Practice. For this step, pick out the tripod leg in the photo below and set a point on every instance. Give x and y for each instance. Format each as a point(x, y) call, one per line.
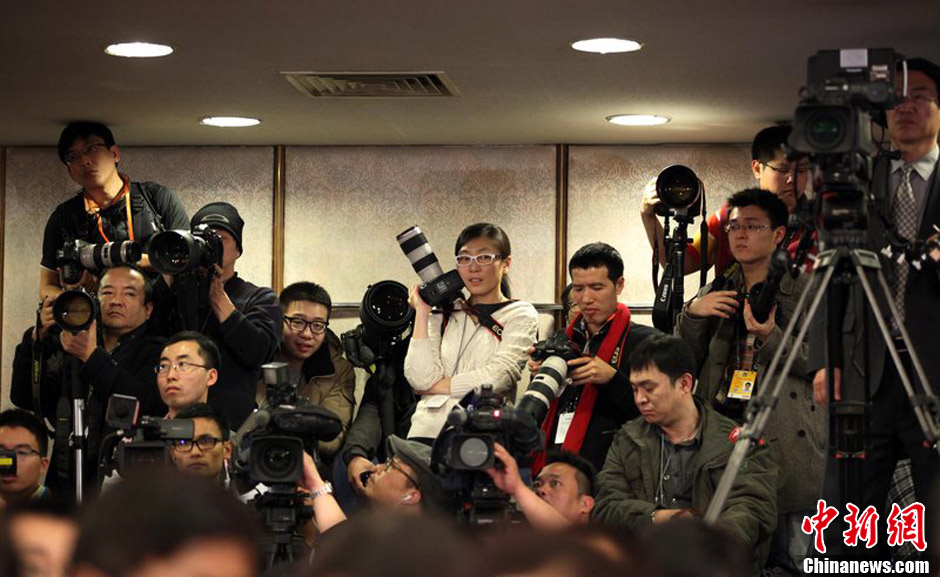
point(924, 419)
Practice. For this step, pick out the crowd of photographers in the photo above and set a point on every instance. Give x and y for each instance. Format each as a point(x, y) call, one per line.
point(209, 426)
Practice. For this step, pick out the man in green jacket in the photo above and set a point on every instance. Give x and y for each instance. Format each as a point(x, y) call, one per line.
point(666, 464)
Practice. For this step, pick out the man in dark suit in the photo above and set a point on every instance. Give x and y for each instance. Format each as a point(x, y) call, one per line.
point(907, 190)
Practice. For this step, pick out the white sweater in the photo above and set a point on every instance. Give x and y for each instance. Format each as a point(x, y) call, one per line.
point(472, 356)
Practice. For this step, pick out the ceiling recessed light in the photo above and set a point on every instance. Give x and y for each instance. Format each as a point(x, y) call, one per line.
point(138, 50)
point(229, 121)
point(606, 45)
point(638, 119)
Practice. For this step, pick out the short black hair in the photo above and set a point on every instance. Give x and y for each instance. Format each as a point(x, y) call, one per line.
point(205, 411)
point(566, 299)
point(83, 130)
point(671, 355)
point(207, 347)
point(148, 285)
point(927, 67)
point(30, 422)
point(305, 291)
point(153, 516)
point(585, 472)
point(765, 200)
point(769, 141)
point(598, 254)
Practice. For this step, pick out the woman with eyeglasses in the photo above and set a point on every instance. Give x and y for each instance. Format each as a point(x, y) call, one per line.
point(482, 341)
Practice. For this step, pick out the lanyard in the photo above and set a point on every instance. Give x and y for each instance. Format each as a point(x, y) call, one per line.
point(93, 207)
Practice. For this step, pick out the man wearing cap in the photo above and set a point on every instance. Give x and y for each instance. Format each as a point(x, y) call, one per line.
point(906, 188)
point(244, 320)
point(405, 480)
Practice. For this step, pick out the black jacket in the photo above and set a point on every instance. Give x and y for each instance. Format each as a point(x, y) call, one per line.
point(614, 407)
point(127, 370)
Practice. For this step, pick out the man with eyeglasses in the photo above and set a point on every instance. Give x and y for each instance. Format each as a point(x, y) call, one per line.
point(314, 357)
point(772, 170)
point(188, 367)
point(119, 360)
point(23, 435)
point(209, 451)
point(906, 188)
point(405, 481)
point(108, 208)
point(733, 350)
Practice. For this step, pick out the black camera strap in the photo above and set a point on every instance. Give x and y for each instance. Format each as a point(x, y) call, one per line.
point(483, 314)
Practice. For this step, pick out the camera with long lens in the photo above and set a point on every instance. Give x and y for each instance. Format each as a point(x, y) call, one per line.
point(385, 324)
point(846, 91)
point(74, 310)
point(270, 444)
point(464, 450)
point(763, 295)
point(77, 256)
point(679, 191)
point(177, 252)
point(545, 386)
point(438, 289)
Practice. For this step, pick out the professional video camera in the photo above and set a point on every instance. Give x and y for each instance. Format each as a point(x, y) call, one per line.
point(438, 289)
point(176, 252)
point(386, 323)
point(464, 451)
point(846, 91)
point(151, 437)
point(77, 256)
point(269, 449)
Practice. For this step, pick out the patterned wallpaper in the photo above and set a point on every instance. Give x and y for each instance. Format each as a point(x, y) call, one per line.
point(345, 206)
point(605, 188)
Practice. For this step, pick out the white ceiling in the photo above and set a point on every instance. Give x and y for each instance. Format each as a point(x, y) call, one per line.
point(720, 68)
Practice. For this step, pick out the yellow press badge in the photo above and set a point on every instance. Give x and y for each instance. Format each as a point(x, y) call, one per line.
point(742, 385)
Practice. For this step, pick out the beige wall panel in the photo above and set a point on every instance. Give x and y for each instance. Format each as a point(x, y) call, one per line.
point(344, 207)
point(36, 183)
point(242, 177)
point(605, 187)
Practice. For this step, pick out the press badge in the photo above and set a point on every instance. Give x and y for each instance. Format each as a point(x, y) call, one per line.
point(564, 421)
point(742, 385)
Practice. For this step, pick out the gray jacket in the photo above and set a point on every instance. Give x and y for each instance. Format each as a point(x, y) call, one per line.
point(796, 431)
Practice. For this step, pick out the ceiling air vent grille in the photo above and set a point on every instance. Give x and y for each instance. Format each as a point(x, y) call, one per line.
point(372, 84)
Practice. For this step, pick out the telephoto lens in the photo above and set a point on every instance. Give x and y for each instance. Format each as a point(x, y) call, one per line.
point(74, 310)
point(179, 251)
point(422, 258)
point(678, 188)
point(109, 254)
point(544, 388)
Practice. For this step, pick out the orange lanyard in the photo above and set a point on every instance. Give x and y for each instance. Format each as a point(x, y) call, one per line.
point(94, 208)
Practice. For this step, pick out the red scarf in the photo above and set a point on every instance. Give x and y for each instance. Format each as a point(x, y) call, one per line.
point(617, 334)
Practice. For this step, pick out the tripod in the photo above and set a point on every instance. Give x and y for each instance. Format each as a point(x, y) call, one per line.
point(671, 290)
point(849, 419)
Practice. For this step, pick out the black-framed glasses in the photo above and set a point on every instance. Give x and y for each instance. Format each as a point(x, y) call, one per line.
point(181, 367)
point(204, 442)
point(22, 451)
point(390, 463)
point(75, 156)
point(748, 228)
point(481, 259)
point(799, 169)
point(299, 325)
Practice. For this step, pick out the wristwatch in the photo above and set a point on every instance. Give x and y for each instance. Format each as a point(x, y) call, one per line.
point(326, 489)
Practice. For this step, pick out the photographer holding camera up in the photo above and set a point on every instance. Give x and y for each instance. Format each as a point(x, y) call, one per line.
point(455, 352)
point(734, 341)
point(596, 398)
point(108, 208)
point(117, 359)
point(772, 171)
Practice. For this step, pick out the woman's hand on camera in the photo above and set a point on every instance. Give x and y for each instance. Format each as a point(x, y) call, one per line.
point(722, 304)
point(417, 303)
